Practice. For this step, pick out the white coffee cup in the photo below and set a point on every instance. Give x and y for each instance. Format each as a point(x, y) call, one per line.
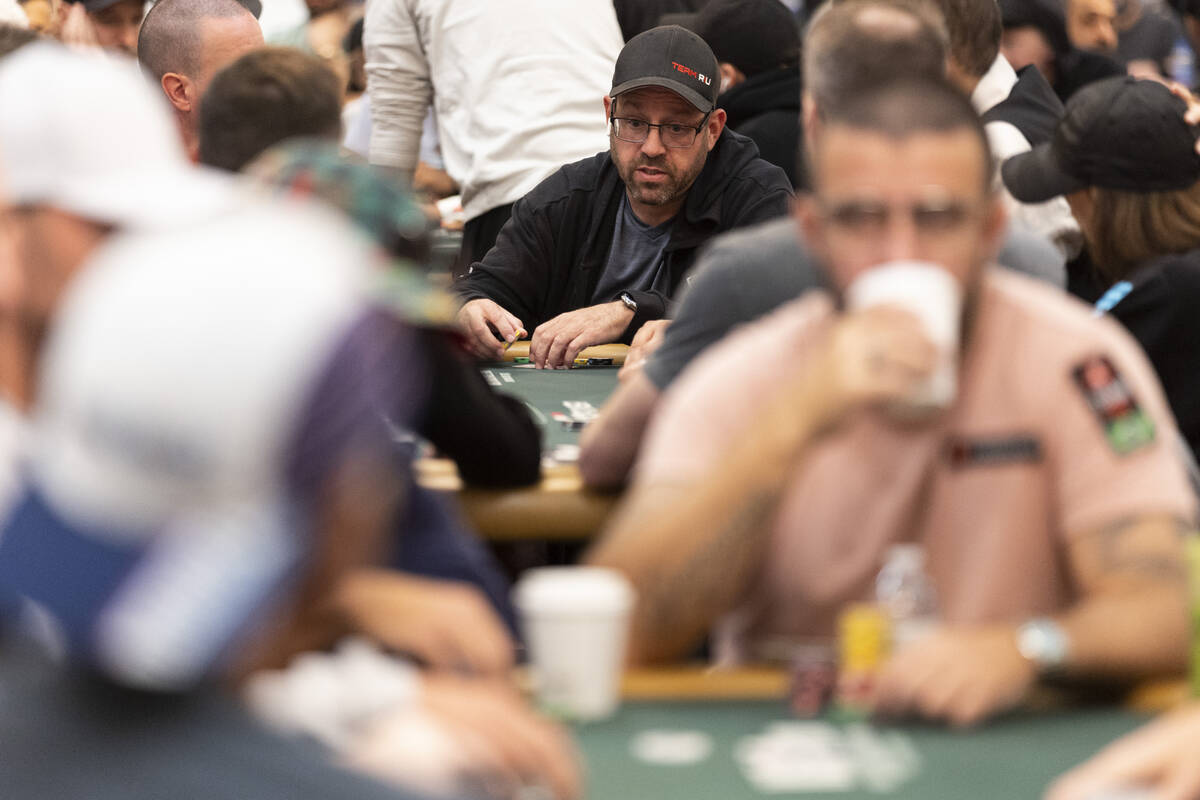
point(576, 622)
point(932, 295)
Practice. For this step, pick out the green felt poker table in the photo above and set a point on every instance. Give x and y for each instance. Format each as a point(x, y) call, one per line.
point(559, 507)
point(1015, 756)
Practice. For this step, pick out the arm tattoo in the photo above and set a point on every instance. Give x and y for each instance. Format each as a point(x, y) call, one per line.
point(1113, 559)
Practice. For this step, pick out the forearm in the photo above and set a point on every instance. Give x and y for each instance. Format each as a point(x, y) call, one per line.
point(1133, 618)
point(609, 445)
point(1129, 634)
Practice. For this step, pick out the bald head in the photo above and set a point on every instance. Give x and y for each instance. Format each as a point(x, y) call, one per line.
point(184, 43)
point(171, 39)
point(858, 44)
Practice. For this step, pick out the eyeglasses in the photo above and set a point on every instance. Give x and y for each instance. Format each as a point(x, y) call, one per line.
point(673, 134)
point(931, 217)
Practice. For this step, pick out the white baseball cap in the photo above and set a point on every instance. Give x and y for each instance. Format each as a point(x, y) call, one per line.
point(196, 388)
point(87, 133)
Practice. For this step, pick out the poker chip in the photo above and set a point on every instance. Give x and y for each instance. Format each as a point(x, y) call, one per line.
point(671, 748)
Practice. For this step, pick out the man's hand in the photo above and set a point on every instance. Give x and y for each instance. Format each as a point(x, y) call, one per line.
point(556, 343)
point(877, 356)
point(648, 339)
point(1161, 755)
point(447, 625)
point(958, 675)
point(481, 320)
point(482, 733)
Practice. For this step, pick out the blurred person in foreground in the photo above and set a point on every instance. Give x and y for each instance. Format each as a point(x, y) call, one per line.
point(1126, 160)
point(746, 274)
point(184, 43)
point(1048, 495)
point(757, 45)
point(275, 95)
point(280, 95)
point(598, 249)
point(203, 480)
point(1157, 762)
point(94, 154)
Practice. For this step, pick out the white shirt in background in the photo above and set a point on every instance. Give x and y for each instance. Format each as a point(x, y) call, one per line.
point(517, 86)
point(1051, 219)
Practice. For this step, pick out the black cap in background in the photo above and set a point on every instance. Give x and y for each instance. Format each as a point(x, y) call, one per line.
point(673, 58)
point(1120, 133)
point(753, 35)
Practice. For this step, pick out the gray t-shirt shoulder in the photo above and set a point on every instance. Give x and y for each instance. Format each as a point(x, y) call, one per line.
point(747, 273)
point(739, 277)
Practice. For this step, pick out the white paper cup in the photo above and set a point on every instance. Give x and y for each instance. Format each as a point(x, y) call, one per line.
point(933, 296)
point(576, 622)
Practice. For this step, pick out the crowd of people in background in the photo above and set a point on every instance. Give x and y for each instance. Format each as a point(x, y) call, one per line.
point(225, 339)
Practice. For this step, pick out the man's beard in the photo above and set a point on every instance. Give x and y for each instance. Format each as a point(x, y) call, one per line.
point(670, 190)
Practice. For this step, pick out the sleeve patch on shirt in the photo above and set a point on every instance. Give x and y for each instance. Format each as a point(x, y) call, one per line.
point(1126, 426)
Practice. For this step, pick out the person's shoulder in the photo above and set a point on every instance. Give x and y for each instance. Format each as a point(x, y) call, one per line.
point(762, 244)
point(1063, 327)
point(735, 159)
point(588, 175)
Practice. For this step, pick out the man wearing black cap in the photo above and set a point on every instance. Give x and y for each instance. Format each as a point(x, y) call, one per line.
point(599, 247)
point(757, 44)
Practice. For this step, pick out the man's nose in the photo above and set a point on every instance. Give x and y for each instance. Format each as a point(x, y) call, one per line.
point(901, 238)
point(653, 146)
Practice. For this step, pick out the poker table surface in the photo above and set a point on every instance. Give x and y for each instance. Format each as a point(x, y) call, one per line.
point(559, 507)
point(1015, 756)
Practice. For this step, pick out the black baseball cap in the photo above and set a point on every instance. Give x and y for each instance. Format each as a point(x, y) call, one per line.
point(1120, 133)
point(753, 35)
point(673, 58)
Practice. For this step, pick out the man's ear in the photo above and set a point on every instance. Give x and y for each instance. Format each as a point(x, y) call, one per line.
point(608, 103)
point(180, 91)
point(716, 124)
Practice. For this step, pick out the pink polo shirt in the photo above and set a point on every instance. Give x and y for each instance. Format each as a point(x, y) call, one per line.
point(994, 488)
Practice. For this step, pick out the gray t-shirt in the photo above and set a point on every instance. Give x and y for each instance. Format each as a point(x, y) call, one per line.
point(748, 273)
point(635, 258)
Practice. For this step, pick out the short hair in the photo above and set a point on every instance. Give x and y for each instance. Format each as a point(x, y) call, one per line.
point(1129, 228)
point(857, 44)
point(909, 107)
point(170, 37)
point(13, 38)
point(266, 97)
point(975, 28)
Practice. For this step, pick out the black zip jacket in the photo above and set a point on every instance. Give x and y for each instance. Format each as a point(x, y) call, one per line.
point(766, 107)
point(549, 257)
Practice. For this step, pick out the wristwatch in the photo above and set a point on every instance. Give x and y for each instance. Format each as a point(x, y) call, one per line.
point(1043, 642)
point(629, 302)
